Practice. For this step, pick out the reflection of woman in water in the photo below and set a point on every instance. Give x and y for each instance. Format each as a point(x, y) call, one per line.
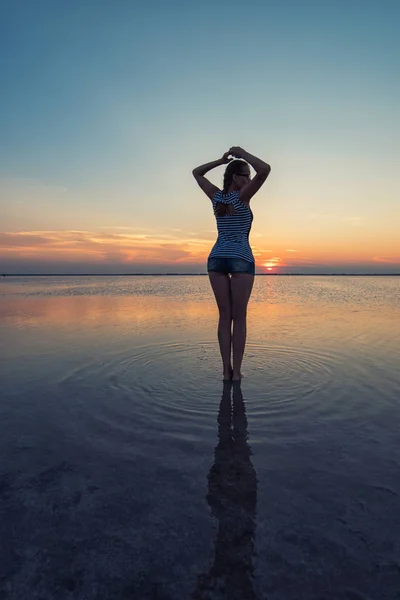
point(231, 262)
point(232, 496)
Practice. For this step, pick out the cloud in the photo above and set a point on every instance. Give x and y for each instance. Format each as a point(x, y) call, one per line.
point(132, 250)
point(20, 240)
point(103, 246)
point(124, 228)
point(393, 260)
point(275, 261)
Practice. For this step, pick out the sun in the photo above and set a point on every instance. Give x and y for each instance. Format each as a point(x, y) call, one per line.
point(269, 265)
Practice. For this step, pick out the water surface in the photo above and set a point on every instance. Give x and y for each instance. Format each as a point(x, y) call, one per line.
point(129, 471)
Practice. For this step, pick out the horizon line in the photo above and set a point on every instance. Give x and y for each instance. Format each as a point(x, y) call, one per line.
point(191, 274)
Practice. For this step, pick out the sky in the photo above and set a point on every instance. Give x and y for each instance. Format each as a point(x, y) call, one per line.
point(106, 108)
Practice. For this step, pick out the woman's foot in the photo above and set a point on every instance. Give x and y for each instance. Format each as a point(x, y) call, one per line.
point(228, 373)
point(237, 376)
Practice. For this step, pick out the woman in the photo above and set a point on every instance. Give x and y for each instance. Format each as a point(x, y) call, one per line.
point(230, 264)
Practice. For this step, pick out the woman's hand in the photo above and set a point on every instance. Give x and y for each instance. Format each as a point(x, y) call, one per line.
point(225, 158)
point(237, 151)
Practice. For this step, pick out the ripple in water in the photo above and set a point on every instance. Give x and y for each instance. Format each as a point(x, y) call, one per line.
point(174, 387)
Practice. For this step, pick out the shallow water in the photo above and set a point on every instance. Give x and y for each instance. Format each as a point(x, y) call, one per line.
point(129, 471)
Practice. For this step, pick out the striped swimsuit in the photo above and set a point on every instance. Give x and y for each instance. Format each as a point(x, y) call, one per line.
point(233, 230)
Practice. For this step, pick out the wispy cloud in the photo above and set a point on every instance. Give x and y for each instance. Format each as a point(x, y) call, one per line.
point(394, 260)
point(272, 262)
point(123, 228)
point(103, 246)
point(22, 240)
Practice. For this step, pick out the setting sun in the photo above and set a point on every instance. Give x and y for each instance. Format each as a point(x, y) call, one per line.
point(268, 266)
point(271, 264)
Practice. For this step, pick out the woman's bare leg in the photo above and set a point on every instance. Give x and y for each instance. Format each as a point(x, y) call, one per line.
point(221, 286)
point(241, 286)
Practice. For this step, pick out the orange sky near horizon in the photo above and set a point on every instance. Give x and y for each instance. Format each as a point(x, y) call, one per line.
point(175, 249)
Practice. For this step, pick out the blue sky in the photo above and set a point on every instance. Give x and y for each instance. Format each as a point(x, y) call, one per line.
point(107, 107)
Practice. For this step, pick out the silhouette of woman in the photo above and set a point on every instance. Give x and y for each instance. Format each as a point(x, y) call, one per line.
point(232, 497)
point(230, 263)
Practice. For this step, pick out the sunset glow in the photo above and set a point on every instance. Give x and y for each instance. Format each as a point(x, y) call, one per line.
point(174, 250)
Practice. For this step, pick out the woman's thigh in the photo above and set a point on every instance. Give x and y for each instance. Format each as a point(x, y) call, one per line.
point(241, 287)
point(221, 286)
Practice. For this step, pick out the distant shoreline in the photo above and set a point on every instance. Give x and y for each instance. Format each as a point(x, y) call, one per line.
point(3, 275)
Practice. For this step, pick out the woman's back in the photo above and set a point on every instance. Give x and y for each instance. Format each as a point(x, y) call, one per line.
point(233, 229)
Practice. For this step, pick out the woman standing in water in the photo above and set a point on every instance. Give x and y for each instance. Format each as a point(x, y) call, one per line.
point(230, 264)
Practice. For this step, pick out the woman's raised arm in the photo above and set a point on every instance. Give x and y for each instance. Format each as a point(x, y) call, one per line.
point(198, 173)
